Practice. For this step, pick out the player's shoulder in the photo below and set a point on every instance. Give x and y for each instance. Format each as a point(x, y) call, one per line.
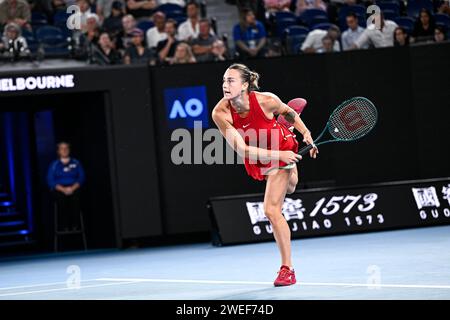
point(220, 107)
point(266, 97)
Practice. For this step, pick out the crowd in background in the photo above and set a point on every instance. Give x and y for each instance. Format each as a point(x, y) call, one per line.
point(111, 31)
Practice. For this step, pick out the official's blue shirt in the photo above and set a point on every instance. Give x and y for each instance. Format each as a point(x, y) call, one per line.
point(256, 32)
point(65, 174)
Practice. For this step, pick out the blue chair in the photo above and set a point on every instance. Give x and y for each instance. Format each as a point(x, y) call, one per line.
point(284, 14)
point(442, 20)
point(53, 40)
point(60, 21)
point(169, 7)
point(295, 31)
point(319, 19)
point(49, 35)
point(413, 8)
point(390, 14)
point(405, 22)
point(281, 25)
point(144, 25)
point(176, 15)
point(378, 2)
point(60, 17)
point(381, 2)
point(308, 15)
point(322, 26)
point(38, 19)
point(357, 9)
point(294, 43)
point(295, 35)
point(391, 6)
point(31, 40)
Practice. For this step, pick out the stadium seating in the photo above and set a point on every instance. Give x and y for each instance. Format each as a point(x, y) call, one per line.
point(282, 24)
point(294, 37)
point(322, 26)
point(308, 16)
point(144, 25)
point(413, 8)
point(442, 20)
point(53, 40)
point(406, 22)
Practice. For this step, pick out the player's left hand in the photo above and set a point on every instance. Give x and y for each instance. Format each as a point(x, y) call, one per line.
point(309, 140)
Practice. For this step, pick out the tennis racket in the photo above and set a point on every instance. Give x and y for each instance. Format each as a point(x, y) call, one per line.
point(350, 121)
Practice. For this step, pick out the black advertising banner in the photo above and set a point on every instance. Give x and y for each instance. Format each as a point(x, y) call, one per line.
point(316, 212)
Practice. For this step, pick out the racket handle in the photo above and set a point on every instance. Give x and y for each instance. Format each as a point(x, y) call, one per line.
point(305, 149)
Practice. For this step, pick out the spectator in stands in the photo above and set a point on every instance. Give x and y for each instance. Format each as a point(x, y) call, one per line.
point(181, 3)
point(439, 34)
point(157, 33)
point(272, 6)
point(353, 32)
point(313, 42)
point(250, 36)
point(166, 48)
point(104, 8)
point(202, 45)
point(123, 39)
point(113, 23)
point(378, 38)
point(65, 177)
point(12, 39)
point(183, 54)
point(141, 8)
point(137, 53)
point(444, 7)
point(302, 5)
point(189, 29)
point(108, 54)
point(424, 27)
point(327, 45)
point(92, 29)
point(85, 11)
point(219, 51)
point(256, 6)
point(16, 11)
point(401, 37)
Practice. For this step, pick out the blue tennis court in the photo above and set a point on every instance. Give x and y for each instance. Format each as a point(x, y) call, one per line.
point(404, 264)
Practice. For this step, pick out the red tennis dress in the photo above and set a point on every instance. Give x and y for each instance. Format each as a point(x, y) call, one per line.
point(259, 131)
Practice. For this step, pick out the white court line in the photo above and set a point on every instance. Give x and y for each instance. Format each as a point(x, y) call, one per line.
point(42, 285)
point(64, 289)
point(326, 284)
point(120, 281)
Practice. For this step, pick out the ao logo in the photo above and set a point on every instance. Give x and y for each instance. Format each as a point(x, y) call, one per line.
point(192, 108)
point(186, 105)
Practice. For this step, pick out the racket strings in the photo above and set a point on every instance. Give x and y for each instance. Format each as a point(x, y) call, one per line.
point(353, 119)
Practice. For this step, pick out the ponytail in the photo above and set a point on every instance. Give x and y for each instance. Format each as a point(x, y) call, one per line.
point(253, 83)
point(251, 77)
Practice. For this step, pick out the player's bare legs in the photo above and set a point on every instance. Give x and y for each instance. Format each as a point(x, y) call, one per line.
point(293, 180)
point(276, 188)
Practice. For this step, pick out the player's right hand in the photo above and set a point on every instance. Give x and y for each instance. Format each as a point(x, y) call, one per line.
point(290, 157)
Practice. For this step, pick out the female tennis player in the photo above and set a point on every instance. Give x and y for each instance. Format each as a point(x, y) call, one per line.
point(242, 109)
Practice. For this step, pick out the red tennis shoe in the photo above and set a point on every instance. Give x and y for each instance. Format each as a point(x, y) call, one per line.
point(286, 277)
